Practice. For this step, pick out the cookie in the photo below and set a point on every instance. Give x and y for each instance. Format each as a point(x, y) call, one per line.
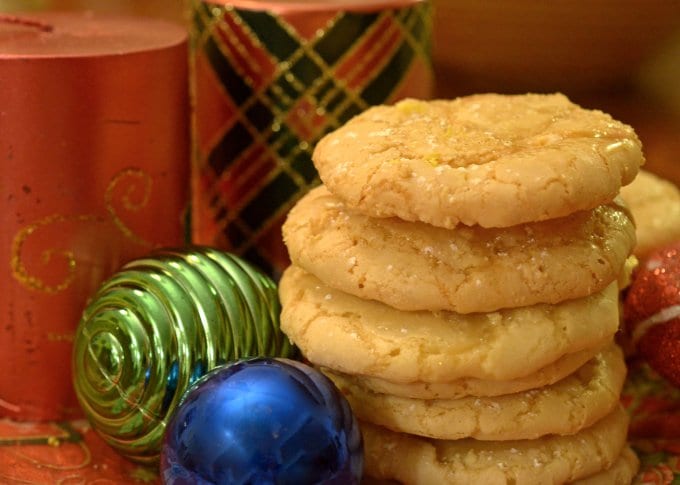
point(549, 460)
point(574, 403)
point(489, 160)
point(655, 204)
point(354, 336)
point(545, 376)
point(621, 472)
point(415, 266)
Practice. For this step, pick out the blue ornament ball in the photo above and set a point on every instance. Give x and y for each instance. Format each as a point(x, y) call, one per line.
point(263, 421)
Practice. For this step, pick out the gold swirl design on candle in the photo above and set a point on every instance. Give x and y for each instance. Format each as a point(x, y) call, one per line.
point(18, 267)
point(135, 185)
point(135, 197)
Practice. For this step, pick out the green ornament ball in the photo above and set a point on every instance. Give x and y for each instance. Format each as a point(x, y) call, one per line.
point(157, 326)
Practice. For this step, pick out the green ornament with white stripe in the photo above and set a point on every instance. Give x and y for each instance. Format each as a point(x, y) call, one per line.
point(157, 326)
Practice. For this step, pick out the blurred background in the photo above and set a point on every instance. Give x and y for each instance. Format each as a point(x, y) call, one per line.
point(621, 56)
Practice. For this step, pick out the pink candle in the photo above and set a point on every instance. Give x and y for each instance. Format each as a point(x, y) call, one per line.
point(93, 172)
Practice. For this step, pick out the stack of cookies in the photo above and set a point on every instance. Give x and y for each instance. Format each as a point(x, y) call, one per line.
point(456, 276)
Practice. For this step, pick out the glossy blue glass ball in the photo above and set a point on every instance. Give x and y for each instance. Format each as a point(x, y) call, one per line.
point(263, 421)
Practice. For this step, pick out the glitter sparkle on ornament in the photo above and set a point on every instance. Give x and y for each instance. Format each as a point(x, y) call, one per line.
point(263, 421)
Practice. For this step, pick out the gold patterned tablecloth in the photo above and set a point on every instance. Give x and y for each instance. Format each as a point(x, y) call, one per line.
point(71, 453)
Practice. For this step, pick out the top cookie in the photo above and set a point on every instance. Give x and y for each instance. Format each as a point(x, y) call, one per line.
point(489, 160)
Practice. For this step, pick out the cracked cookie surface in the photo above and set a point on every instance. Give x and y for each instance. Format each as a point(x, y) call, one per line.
point(655, 204)
point(336, 330)
point(489, 160)
point(414, 460)
point(416, 266)
point(545, 376)
point(621, 472)
point(574, 403)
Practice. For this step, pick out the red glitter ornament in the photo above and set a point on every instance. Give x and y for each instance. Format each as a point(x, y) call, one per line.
point(652, 311)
